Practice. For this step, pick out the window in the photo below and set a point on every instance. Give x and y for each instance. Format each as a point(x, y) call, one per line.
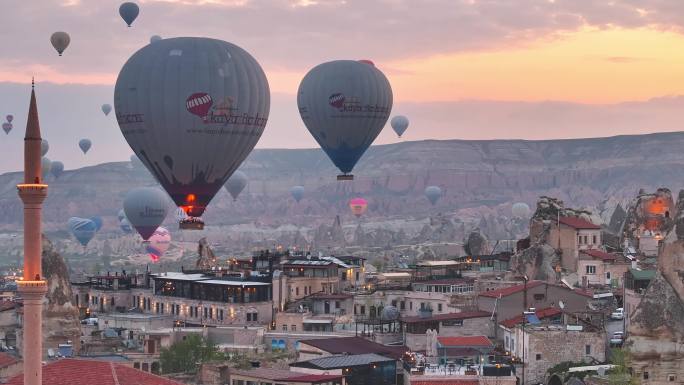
point(579, 239)
point(357, 275)
point(206, 312)
point(506, 342)
point(402, 305)
point(113, 302)
point(410, 305)
point(439, 307)
point(645, 375)
point(671, 377)
point(254, 317)
point(305, 290)
point(293, 328)
point(587, 349)
point(221, 314)
point(297, 290)
point(539, 297)
point(422, 306)
point(608, 275)
point(337, 304)
point(591, 269)
point(394, 302)
point(593, 239)
point(538, 356)
point(284, 326)
point(363, 309)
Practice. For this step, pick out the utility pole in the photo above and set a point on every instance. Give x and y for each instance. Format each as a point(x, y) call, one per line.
point(523, 326)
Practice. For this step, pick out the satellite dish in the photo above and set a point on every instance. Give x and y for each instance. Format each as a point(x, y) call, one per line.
point(601, 371)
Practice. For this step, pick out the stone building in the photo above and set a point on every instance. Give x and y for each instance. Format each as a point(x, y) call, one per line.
point(597, 268)
point(545, 346)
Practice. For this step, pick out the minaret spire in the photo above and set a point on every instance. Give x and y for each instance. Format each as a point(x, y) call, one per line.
point(32, 287)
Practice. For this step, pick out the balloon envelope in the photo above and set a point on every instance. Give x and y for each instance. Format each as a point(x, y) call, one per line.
point(82, 229)
point(344, 105)
point(297, 193)
point(358, 206)
point(7, 127)
point(84, 144)
point(192, 109)
point(399, 124)
point(159, 242)
point(10, 118)
point(97, 221)
point(236, 183)
point(57, 168)
point(129, 12)
point(44, 147)
point(45, 165)
point(433, 193)
point(106, 108)
point(60, 41)
point(145, 209)
point(520, 210)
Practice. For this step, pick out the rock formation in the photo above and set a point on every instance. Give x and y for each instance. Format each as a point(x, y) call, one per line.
point(656, 325)
point(61, 321)
point(476, 243)
point(205, 256)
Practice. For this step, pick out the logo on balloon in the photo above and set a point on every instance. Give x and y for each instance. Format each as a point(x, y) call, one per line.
point(199, 104)
point(336, 100)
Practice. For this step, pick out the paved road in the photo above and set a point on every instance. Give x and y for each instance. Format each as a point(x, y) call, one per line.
point(612, 327)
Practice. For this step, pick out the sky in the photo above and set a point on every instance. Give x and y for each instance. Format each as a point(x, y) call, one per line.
point(459, 69)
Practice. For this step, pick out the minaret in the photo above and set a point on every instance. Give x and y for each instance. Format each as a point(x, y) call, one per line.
point(32, 287)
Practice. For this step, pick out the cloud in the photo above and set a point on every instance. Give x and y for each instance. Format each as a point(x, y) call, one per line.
point(294, 35)
point(71, 112)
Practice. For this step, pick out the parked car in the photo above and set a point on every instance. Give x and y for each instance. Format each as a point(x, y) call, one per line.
point(90, 321)
point(617, 339)
point(618, 314)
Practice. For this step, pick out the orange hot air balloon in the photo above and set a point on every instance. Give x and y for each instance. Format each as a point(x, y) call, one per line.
point(358, 206)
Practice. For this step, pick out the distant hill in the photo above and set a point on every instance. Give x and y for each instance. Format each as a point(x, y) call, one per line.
point(472, 174)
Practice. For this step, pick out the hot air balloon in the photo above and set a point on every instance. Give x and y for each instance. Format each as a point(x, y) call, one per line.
point(358, 206)
point(520, 210)
point(7, 127)
point(82, 229)
point(236, 183)
point(297, 193)
point(9, 118)
point(159, 242)
point(60, 40)
point(125, 226)
point(219, 100)
point(106, 108)
point(45, 164)
point(433, 193)
point(56, 169)
point(155, 38)
point(97, 221)
point(84, 144)
point(399, 124)
point(129, 12)
point(145, 208)
point(44, 147)
point(344, 104)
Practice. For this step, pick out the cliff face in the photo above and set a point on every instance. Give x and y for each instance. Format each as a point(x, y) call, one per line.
point(60, 316)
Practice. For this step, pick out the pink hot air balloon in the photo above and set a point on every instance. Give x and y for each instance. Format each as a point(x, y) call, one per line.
point(199, 104)
point(358, 206)
point(159, 242)
point(7, 127)
point(10, 118)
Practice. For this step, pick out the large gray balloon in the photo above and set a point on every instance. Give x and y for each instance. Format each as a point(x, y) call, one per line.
point(297, 193)
point(433, 193)
point(60, 41)
point(192, 109)
point(236, 183)
point(85, 144)
point(44, 147)
point(45, 165)
point(106, 108)
point(399, 124)
point(146, 209)
point(345, 104)
point(56, 169)
point(129, 12)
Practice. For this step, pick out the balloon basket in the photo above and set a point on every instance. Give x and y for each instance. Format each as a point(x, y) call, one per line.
point(345, 177)
point(191, 224)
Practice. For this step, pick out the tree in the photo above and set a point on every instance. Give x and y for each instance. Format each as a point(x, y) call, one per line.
point(620, 375)
point(184, 356)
